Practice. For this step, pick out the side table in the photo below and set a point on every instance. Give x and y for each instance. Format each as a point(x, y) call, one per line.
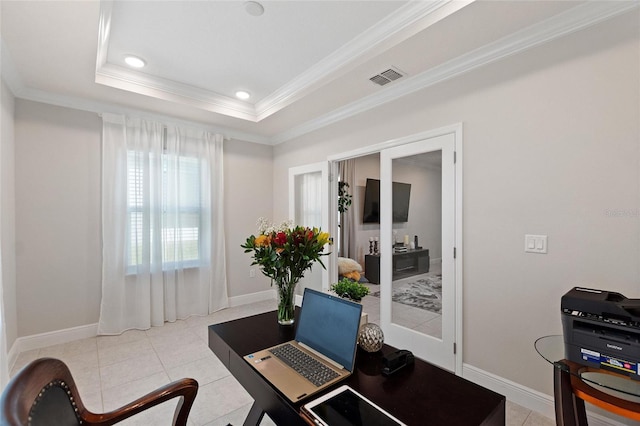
point(573, 384)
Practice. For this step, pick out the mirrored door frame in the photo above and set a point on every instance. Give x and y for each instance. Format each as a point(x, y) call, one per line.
point(456, 130)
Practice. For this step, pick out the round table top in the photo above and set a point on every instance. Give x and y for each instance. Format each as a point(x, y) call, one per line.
point(551, 348)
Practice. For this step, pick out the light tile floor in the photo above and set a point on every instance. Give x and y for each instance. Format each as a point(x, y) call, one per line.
point(113, 370)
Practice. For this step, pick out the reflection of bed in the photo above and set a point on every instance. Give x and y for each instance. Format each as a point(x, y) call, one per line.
point(349, 268)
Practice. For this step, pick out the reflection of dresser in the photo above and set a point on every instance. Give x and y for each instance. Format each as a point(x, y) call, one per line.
point(411, 262)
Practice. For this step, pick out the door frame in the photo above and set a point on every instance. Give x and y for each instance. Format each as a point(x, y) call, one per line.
point(457, 131)
point(438, 350)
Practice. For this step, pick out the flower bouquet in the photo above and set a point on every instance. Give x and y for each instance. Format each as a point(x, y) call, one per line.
point(284, 253)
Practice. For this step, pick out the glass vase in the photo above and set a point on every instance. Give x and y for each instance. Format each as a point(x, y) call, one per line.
point(286, 305)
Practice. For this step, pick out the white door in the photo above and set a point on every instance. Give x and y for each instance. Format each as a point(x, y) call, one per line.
point(418, 288)
point(309, 206)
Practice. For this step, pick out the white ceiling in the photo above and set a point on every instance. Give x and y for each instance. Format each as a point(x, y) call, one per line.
point(306, 63)
point(220, 48)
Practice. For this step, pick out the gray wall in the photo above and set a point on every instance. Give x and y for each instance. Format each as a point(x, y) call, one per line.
point(7, 214)
point(58, 259)
point(551, 146)
point(57, 168)
point(248, 189)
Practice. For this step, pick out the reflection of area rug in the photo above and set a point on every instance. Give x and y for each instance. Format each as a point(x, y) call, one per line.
point(423, 291)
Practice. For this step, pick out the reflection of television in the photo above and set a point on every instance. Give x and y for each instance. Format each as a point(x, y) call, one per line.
point(371, 211)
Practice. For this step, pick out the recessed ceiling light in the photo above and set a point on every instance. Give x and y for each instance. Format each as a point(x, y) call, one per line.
point(134, 61)
point(253, 8)
point(241, 94)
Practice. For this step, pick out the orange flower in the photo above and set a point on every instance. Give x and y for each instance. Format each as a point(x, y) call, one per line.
point(262, 240)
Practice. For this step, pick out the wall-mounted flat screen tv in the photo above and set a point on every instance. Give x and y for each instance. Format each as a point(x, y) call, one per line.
point(371, 211)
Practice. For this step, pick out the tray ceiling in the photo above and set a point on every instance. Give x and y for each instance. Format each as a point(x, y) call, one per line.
point(306, 64)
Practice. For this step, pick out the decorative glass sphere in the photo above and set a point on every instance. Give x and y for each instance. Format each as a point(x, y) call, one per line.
point(370, 337)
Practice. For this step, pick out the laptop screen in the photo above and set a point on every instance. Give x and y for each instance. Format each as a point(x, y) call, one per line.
point(330, 325)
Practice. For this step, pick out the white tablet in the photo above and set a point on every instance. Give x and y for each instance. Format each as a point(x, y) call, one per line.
point(346, 407)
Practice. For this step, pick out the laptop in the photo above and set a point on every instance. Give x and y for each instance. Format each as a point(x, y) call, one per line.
point(326, 334)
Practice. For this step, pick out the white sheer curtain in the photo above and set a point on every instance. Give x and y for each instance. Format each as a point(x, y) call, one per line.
point(309, 206)
point(4, 356)
point(4, 359)
point(347, 170)
point(162, 224)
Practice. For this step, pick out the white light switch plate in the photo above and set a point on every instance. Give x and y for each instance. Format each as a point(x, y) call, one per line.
point(535, 243)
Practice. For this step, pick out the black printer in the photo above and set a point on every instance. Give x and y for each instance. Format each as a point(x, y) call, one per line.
point(602, 329)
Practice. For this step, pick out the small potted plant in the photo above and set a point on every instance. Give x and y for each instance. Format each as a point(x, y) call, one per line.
point(349, 289)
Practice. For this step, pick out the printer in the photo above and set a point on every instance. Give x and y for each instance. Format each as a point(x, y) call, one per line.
point(602, 329)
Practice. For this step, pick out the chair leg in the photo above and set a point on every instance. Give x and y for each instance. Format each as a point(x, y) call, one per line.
point(570, 410)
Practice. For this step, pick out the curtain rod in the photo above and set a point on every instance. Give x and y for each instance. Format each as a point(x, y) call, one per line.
point(171, 120)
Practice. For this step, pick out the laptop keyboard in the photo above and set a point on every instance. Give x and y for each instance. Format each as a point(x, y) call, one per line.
point(310, 368)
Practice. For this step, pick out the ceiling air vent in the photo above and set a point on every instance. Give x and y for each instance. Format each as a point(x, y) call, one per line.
point(386, 76)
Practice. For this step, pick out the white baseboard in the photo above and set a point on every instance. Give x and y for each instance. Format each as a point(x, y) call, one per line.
point(259, 297)
point(42, 340)
point(246, 299)
point(57, 337)
point(12, 356)
point(526, 397)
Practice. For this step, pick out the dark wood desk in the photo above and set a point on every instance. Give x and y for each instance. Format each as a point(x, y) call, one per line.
point(420, 395)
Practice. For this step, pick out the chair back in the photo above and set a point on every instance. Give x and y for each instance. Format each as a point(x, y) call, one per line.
point(42, 393)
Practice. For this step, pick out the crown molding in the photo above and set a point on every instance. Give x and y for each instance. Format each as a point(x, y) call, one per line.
point(406, 21)
point(143, 84)
point(398, 26)
point(157, 87)
point(104, 32)
point(14, 82)
point(107, 107)
point(572, 20)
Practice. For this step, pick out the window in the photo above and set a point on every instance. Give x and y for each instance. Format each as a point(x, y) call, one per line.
point(308, 187)
point(161, 191)
point(171, 192)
